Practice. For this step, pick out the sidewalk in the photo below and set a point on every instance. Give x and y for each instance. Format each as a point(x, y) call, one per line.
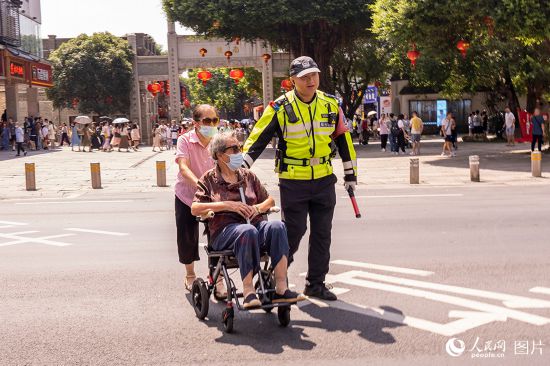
point(62, 173)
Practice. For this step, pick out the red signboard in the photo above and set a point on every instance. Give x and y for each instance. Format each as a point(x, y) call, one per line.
point(17, 70)
point(41, 74)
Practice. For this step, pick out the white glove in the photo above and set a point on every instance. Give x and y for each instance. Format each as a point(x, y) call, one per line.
point(351, 184)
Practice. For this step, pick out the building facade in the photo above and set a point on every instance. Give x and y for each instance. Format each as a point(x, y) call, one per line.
point(24, 73)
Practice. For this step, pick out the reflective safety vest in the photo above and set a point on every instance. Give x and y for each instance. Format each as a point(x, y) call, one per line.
point(306, 133)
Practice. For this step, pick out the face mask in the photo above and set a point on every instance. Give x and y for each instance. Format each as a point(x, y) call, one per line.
point(235, 161)
point(208, 131)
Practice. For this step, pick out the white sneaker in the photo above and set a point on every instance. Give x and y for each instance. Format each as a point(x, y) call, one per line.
point(443, 154)
point(453, 155)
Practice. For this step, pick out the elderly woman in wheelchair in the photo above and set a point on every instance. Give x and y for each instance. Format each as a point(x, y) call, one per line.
point(237, 203)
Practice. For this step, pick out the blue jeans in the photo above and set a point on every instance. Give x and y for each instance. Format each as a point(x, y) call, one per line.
point(247, 241)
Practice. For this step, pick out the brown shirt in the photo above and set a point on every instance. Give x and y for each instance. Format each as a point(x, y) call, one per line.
point(213, 188)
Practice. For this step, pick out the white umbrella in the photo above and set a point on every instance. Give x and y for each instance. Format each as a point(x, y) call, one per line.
point(121, 120)
point(371, 113)
point(83, 120)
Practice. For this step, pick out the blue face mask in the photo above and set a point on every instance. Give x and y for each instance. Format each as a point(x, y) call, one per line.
point(235, 161)
point(208, 131)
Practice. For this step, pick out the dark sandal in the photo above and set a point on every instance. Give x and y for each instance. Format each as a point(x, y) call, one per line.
point(251, 302)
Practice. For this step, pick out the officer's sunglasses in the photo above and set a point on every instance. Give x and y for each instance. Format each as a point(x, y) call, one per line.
point(210, 121)
point(234, 148)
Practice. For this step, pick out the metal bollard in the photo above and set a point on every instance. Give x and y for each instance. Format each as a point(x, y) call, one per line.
point(536, 164)
point(161, 174)
point(95, 169)
point(415, 174)
point(30, 179)
point(474, 168)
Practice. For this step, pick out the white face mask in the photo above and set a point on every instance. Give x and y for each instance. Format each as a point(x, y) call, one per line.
point(235, 161)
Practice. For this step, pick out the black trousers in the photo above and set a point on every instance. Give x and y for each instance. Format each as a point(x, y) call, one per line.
point(534, 141)
point(383, 141)
point(20, 148)
point(317, 198)
point(401, 141)
point(187, 233)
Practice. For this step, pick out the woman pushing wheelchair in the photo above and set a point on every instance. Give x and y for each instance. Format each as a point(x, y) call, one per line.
point(242, 227)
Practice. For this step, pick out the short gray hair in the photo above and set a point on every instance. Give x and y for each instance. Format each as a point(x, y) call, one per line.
point(217, 145)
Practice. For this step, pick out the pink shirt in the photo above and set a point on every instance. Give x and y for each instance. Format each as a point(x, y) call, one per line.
point(200, 161)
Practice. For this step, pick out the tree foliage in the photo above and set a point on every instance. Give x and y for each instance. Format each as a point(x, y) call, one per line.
point(94, 70)
point(314, 28)
point(505, 37)
point(222, 92)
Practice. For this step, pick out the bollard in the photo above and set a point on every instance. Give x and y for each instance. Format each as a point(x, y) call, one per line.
point(474, 168)
point(415, 174)
point(95, 169)
point(30, 180)
point(536, 160)
point(161, 174)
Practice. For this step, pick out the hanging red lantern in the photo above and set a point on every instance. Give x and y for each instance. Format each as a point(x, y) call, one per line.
point(204, 76)
point(463, 46)
point(236, 74)
point(266, 57)
point(156, 88)
point(237, 40)
point(490, 23)
point(286, 84)
point(150, 88)
point(413, 55)
point(228, 54)
point(203, 52)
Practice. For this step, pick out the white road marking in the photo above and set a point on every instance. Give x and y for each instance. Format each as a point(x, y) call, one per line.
point(11, 223)
point(511, 301)
point(468, 319)
point(412, 195)
point(17, 239)
point(540, 290)
point(70, 202)
point(416, 272)
point(114, 233)
point(348, 278)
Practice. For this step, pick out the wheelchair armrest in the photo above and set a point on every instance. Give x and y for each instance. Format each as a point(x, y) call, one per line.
point(205, 217)
point(273, 209)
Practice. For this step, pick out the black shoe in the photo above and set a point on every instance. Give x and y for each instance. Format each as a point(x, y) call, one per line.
point(288, 297)
point(320, 292)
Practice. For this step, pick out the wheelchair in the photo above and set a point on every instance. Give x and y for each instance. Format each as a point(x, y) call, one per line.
point(219, 262)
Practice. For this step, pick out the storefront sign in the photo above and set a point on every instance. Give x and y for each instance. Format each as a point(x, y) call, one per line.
point(371, 95)
point(41, 74)
point(385, 105)
point(17, 70)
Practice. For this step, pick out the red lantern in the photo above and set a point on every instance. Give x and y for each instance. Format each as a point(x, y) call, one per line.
point(236, 74)
point(286, 84)
point(203, 51)
point(150, 88)
point(266, 57)
point(490, 23)
point(204, 76)
point(463, 46)
point(75, 102)
point(228, 54)
point(237, 40)
point(413, 55)
point(187, 103)
point(156, 88)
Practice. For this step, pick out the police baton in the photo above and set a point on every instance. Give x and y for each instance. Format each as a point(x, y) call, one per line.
point(354, 202)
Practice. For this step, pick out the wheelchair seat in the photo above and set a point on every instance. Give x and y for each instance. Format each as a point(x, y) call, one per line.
point(230, 259)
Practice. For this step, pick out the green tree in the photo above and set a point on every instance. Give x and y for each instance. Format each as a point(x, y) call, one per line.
point(354, 67)
point(222, 92)
point(504, 35)
point(314, 28)
point(96, 70)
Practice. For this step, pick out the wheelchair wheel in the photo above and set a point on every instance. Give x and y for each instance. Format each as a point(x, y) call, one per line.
point(283, 313)
point(201, 298)
point(227, 317)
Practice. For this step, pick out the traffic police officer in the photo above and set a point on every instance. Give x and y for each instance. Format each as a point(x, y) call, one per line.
point(310, 127)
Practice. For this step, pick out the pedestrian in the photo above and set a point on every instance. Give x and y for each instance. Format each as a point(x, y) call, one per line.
point(193, 159)
point(401, 134)
point(5, 136)
point(157, 137)
point(484, 122)
point(19, 139)
point(394, 133)
point(308, 122)
point(86, 138)
point(174, 133)
point(52, 132)
point(537, 121)
point(106, 133)
point(11, 126)
point(124, 140)
point(454, 134)
point(510, 125)
point(417, 126)
point(470, 124)
point(136, 137)
point(383, 132)
point(115, 141)
point(447, 131)
point(64, 135)
point(478, 128)
point(75, 137)
point(45, 135)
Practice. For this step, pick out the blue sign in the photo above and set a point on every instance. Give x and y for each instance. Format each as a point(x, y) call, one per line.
point(441, 111)
point(371, 95)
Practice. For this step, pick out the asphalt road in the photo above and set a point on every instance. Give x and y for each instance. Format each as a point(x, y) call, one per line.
point(422, 266)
